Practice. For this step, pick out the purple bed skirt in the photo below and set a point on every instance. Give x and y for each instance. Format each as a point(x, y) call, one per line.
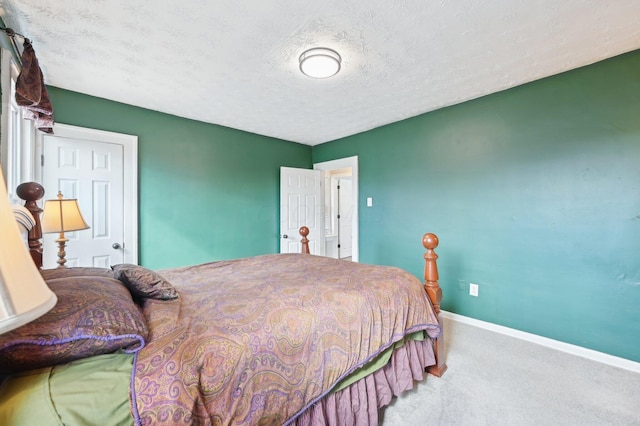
point(358, 403)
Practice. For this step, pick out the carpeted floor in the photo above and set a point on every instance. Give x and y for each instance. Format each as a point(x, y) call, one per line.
point(493, 379)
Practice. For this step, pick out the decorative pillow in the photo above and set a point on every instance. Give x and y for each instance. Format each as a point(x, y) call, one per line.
point(93, 316)
point(144, 283)
point(51, 274)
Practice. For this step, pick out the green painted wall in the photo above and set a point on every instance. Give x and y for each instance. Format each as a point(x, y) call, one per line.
point(206, 192)
point(535, 195)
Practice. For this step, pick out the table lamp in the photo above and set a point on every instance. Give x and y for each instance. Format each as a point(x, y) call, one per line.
point(62, 215)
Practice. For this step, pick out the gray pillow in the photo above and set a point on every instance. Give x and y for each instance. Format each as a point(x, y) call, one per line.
point(144, 283)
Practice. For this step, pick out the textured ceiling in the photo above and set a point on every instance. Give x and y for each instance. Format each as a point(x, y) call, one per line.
point(235, 63)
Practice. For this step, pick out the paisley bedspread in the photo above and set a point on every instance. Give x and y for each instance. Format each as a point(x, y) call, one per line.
point(257, 340)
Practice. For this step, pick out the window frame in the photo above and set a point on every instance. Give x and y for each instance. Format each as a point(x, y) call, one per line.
point(17, 135)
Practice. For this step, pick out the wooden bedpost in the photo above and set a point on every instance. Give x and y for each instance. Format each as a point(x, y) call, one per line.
point(304, 231)
point(31, 192)
point(431, 286)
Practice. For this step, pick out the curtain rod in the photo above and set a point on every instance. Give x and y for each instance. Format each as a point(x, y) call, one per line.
point(10, 32)
point(12, 36)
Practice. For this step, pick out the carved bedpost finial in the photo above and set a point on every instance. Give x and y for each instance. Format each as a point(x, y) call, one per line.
point(31, 192)
point(304, 231)
point(431, 286)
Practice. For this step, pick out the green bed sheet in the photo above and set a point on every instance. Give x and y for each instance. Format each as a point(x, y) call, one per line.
point(90, 391)
point(378, 362)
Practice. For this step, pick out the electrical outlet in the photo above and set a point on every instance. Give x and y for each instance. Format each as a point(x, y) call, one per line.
point(473, 289)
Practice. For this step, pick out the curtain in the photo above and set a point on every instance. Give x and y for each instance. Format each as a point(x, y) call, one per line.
point(31, 92)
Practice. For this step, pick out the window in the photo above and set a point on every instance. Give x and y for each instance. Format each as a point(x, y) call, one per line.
point(17, 135)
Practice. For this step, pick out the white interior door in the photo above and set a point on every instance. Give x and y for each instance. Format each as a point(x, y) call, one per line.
point(96, 173)
point(301, 204)
point(345, 218)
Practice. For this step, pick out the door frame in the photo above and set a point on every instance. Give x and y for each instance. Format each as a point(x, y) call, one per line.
point(341, 180)
point(342, 163)
point(130, 171)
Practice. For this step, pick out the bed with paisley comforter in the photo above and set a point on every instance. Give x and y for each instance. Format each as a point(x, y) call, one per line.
point(266, 340)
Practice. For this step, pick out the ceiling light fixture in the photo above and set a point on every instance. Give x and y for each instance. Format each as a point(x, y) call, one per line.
point(320, 62)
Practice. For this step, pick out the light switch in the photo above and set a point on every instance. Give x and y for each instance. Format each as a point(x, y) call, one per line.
point(369, 201)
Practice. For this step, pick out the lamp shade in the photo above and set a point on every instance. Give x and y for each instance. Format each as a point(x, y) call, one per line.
point(62, 215)
point(24, 296)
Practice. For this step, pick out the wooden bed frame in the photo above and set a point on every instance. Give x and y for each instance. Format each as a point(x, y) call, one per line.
point(31, 192)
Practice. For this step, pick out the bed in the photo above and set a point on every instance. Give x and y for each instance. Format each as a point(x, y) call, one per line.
point(319, 341)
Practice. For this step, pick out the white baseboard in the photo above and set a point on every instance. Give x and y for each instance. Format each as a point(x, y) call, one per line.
point(550, 343)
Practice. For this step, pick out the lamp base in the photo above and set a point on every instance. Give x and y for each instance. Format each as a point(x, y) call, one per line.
point(62, 243)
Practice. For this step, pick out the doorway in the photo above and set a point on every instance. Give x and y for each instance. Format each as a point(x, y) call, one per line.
point(341, 207)
point(345, 218)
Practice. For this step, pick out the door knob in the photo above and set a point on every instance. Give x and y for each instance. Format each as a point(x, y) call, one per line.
point(285, 236)
point(116, 246)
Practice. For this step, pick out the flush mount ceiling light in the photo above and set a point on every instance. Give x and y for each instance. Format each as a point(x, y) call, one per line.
point(320, 62)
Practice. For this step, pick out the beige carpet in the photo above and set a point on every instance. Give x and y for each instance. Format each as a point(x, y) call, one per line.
point(494, 379)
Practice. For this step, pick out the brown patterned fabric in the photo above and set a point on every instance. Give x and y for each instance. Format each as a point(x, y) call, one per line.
point(93, 316)
point(31, 92)
point(82, 271)
point(144, 283)
point(262, 339)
